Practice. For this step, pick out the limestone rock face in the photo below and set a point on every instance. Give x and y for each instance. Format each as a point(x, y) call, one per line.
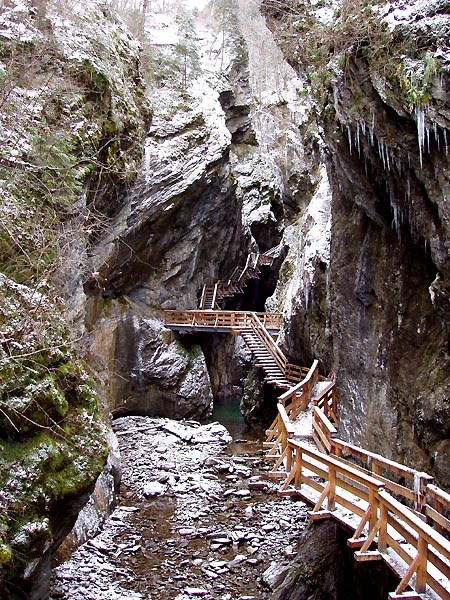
point(150, 372)
point(377, 312)
point(180, 226)
point(100, 505)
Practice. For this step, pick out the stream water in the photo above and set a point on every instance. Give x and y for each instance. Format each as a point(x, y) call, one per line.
point(197, 517)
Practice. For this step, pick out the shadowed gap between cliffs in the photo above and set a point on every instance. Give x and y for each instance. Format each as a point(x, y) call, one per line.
point(325, 569)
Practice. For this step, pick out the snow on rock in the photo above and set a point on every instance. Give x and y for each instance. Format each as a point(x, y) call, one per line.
point(309, 244)
point(189, 524)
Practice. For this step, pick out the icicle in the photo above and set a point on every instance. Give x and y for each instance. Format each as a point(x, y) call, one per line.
point(396, 221)
point(445, 141)
point(387, 158)
point(420, 118)
point(437, 137)
point(381, 153)
point(427, 135)
point(371, 136)
point(372, 129)
point(358, 146)
point(363, 128)
point(349, 133)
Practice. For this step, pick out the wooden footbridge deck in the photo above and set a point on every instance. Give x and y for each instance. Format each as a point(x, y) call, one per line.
point(396, 513)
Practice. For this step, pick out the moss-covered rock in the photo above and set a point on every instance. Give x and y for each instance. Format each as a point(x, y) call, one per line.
point(52, 435)
point(73, 115)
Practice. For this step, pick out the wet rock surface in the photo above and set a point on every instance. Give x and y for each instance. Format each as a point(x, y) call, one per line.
point(198, 518)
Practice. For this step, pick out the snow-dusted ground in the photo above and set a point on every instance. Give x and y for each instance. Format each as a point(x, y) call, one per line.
point(193, 521)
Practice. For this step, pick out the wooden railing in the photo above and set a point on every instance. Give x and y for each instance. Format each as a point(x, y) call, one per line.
point(234, 320)
point(260, 323)
point(236, 281)
point(437, 509)
point(298, 397)
point(279, 434)
point(392, 525)
point(386, 503)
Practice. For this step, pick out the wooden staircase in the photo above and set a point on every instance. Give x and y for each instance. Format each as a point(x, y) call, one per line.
point(212, 295)
point(266, 360)
point(257, 330)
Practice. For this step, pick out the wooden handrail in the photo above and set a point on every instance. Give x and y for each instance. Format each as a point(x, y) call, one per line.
point(388, 521)
point(340, 466)
point(223, 318)
point(237, 279)
point(297, 388)
point(269, 342)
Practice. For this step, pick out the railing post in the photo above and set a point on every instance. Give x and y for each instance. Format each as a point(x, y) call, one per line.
point(382, 534)
point(298, 468)
point(421, 574)
point(288, 459)
point(326, 406)
point(213, 303)
point(332, 491)
point(334, 400)
point(373, 503)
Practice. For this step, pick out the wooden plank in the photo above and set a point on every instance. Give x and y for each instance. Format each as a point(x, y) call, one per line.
point(440, 564)
point(366, 556)
point(340, 466)
point(399, 549)
point(385, 463)
point(437, 587)
point(324, 440)
point(396, 488)
point(277, 475)
point(324, 421)
point(436, 493)
point(356, 542)
point(319, 515)
point(400, 528)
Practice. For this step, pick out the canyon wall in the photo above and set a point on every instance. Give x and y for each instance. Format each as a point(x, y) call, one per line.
point(376, 310)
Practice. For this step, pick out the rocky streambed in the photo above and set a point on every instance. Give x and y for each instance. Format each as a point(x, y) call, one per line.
point(197, 518)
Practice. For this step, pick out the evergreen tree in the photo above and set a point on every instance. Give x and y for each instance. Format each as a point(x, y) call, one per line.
point(186, 48)
point(225, 12)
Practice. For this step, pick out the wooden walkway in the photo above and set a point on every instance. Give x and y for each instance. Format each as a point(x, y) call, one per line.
point(257, 330)
point(395, 512)
point(213, 294)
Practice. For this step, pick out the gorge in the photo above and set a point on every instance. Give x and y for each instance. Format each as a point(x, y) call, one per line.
point(149, 149)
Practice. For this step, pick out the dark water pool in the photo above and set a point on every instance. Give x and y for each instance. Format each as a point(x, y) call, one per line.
point(227, 412)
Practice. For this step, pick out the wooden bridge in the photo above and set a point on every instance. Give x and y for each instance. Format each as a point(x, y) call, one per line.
point(257, 330)
point(395, 512)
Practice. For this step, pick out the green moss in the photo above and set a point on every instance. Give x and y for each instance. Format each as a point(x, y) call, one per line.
point(5, 553)
point(286, 272)
point(191, 352)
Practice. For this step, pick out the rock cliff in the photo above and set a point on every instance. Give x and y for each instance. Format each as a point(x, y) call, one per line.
point(73, 113)
point(376, 309)
point(112, 215)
